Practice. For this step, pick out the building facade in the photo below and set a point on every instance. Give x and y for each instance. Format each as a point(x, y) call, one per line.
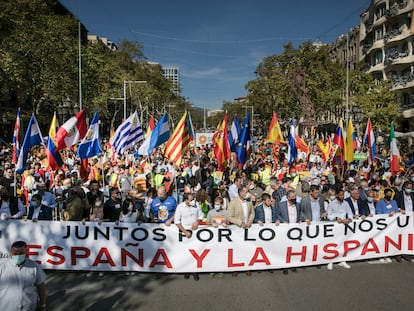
point(173, 75)
point(387, 47)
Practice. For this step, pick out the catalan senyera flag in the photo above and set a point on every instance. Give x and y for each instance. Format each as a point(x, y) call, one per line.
point(180, 139)
point(325, 149)
point(53, 157)
point(274, 134)
point(351, 143)
point(221, 144)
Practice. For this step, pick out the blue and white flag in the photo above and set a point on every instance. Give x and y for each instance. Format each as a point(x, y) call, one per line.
point(292, 151)
point(33, 137)
point(90, 146)
point(159, 135)
point(234, 133)
point(127, 134)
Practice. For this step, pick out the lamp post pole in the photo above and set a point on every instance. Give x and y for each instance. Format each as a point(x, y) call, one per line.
point(125, 98)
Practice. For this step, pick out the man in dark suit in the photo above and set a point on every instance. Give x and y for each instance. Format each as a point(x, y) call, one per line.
point(288, 211)
point(265, 212)
point(312, 207)
point(38, 211)
point(358, 208)
point(405, 202)
point(405, 197)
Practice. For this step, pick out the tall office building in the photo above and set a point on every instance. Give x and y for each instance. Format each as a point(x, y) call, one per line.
point(172, 74)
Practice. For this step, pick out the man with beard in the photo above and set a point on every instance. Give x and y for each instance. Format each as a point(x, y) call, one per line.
point(94, 192)
point(7, 180)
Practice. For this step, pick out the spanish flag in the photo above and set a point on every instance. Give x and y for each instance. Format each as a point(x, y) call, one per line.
point(326, 149)
point(274, 134)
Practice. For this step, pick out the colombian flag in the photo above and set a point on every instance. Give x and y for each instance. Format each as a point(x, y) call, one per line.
point(53, 156)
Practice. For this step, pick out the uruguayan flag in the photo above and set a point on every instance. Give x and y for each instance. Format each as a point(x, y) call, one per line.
point(127, 134)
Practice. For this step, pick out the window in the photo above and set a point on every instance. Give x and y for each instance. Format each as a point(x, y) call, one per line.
point(379, 34)
point(377, 57)
point(380, 11)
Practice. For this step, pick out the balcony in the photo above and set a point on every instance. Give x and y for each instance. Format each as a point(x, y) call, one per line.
point(391, 34)
point(393, 54)
point(401, 80)
point(366, 47)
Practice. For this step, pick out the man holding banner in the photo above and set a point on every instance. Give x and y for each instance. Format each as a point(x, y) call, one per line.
point(339, 210)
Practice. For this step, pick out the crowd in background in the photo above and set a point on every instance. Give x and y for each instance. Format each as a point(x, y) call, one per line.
point(132, 188)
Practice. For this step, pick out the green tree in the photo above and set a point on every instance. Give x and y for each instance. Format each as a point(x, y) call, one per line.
point(301, 82)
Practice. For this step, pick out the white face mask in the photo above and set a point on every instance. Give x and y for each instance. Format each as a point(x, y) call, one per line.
point(18, 259)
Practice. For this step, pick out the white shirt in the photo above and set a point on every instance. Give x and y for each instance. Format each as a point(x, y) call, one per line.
point(187, 215)
point(293, 213)
point(245, 211)
point(356, 208)
point(337, 209)
point(20, 291)
point(408, 203)
point(6, 213)
point(371, 208)
point(268, 214)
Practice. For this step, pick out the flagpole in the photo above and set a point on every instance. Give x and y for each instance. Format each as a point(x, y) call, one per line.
point(80, 65)
point(347, 82)
point(14, 181)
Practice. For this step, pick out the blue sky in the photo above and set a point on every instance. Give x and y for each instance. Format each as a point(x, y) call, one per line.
point(216, 44)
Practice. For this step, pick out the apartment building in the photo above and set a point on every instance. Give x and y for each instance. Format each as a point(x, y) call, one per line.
point(387, 47)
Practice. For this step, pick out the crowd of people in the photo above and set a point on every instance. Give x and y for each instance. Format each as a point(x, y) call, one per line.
point(265, 190)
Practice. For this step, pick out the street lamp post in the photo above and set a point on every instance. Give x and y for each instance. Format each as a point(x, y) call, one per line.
point(125, 98)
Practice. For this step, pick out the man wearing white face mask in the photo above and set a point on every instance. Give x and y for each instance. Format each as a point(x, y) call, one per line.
point(23, 281)
point(405, 198)
point(217, 216)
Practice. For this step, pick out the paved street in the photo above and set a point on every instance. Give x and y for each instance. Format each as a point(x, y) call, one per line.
point(363, 287)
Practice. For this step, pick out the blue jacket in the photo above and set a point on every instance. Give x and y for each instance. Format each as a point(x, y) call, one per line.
point(45, 213)
point(362, 208)
point(386, 208)
point(259, 214)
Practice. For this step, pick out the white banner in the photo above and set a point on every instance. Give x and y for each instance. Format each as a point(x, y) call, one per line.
point(204, 139)
point(158, 248)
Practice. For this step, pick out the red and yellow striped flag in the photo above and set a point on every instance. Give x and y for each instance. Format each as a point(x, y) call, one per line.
point(180, 139)
point(221, 144)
